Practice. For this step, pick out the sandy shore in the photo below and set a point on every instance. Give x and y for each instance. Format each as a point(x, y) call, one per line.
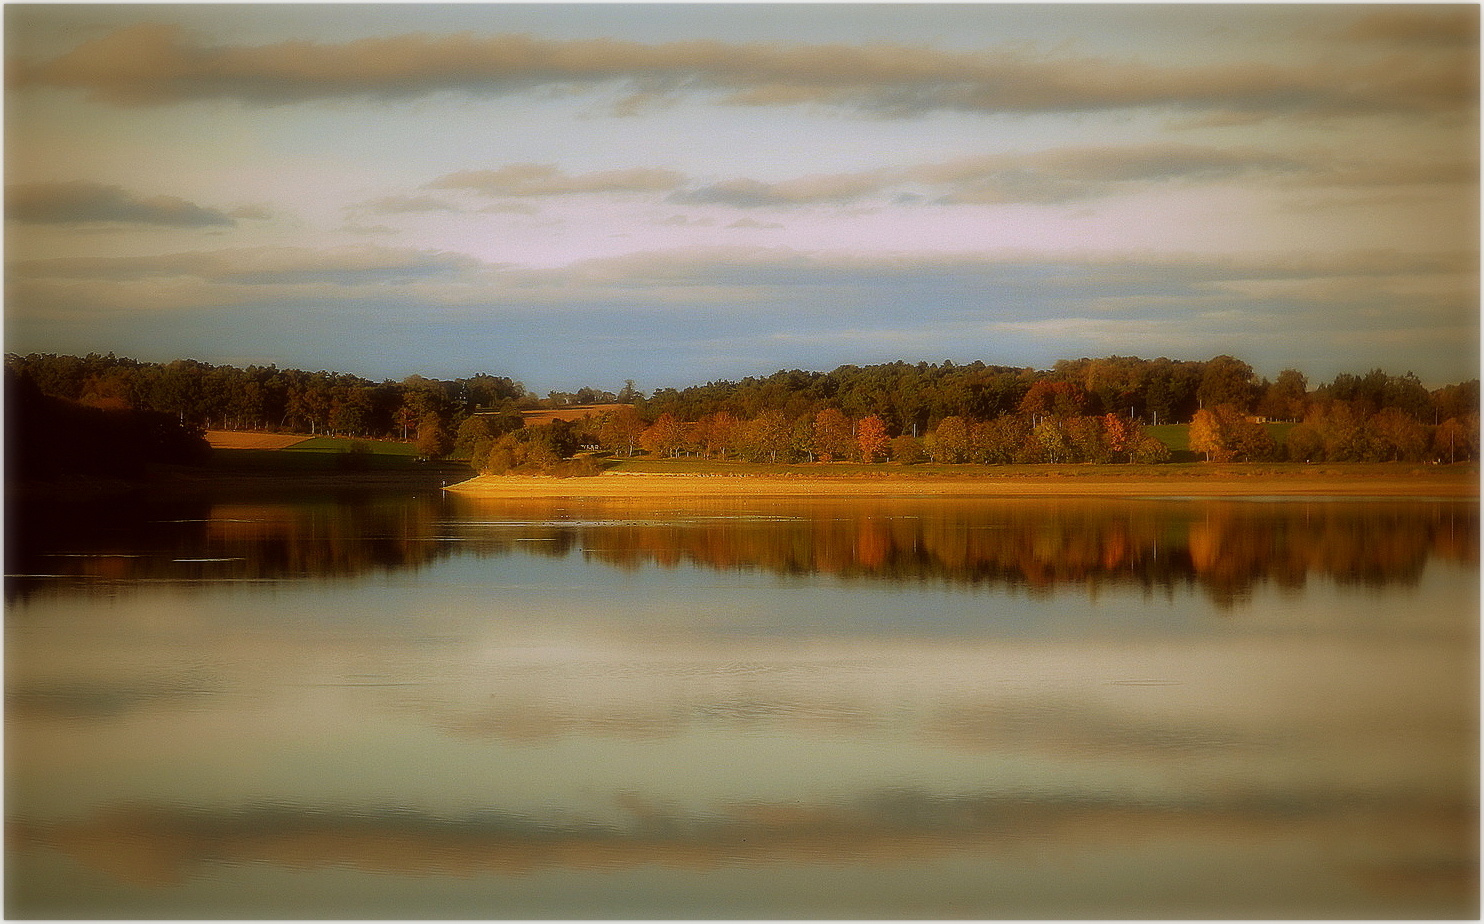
point(1438, 483)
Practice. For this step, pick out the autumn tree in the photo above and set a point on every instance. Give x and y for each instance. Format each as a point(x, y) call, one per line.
point(871, 438)
point(665, 437)
point(1052, 398)
point(1224, 434)
point(1118, 433)
point(715, 434)
point(1457, 439)
point(620, 430)
point(1397, 436)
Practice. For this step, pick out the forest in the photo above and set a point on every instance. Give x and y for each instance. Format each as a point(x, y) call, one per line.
point(1110, 409)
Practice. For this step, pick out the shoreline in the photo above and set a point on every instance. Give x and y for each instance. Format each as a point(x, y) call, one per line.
point(1223, 483)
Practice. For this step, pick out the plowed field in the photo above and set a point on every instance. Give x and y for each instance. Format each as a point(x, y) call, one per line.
point(233, 439)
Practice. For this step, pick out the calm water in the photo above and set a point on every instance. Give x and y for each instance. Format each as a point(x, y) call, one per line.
point(432, 707)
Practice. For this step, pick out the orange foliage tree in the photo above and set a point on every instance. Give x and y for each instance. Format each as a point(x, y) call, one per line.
point(870, 436)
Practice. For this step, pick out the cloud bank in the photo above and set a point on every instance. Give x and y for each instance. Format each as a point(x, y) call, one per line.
point(152, 64)
point(81, 202)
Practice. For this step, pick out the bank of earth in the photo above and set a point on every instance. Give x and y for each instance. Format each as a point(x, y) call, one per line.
point(1200, 480)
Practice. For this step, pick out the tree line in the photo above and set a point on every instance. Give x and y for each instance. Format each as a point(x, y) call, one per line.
point(1097, 410)
point(1085, 410)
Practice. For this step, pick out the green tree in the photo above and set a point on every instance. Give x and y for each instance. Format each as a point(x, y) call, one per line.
point(1304, 444)
point(1149, 451)
point(433, 439)
point(768, 436)
point(1051, 441)
point(475, 437)
point(950, 443)
point(1086, 435)
point(1285, 398)
point(1000, 441)
point(504, 455)
point(907, 450)
point(832, 439)
point(1341, 426)
point(1227, 380)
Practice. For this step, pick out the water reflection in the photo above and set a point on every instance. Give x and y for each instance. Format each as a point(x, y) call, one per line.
point(1226, 548)
point(162, 846)
point(427, 707)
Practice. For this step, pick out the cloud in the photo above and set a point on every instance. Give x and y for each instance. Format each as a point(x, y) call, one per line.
point(369, 229)
point(155, 64)
point(836, 189)
point(80, 202)
point(1445, 27)
point(682, 221)
point(401, 205)
point(753, 223)
point(1045, 177)
point(252, 212)
point(345, 266)
point(510, 208)
point(547, 180)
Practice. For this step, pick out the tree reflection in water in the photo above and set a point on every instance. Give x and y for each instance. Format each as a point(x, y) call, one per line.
point(1224, 547)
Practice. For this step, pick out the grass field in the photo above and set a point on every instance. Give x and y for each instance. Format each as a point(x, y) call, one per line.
point(1177, 437)
point(323, 454)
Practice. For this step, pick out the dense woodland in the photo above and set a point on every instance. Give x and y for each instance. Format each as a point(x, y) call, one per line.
point(1083, 410)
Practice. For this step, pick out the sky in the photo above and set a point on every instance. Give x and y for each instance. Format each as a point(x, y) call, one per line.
point(582, 195)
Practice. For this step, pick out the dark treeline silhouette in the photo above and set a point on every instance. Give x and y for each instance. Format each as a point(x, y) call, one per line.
point(269, 398)
point(1082, 410)
point(48, 436)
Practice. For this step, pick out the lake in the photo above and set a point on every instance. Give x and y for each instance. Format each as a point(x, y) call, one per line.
point(431, 706)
